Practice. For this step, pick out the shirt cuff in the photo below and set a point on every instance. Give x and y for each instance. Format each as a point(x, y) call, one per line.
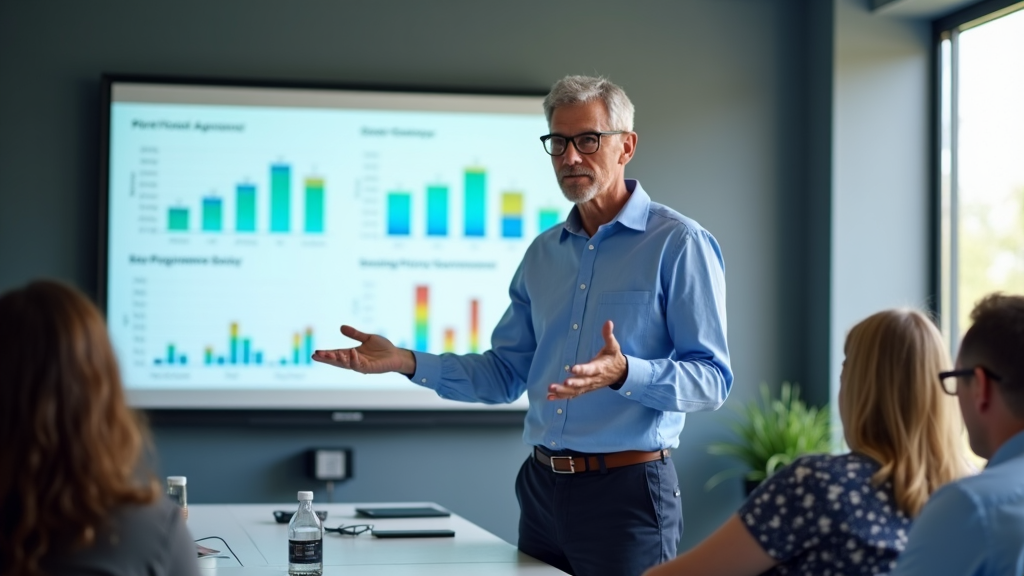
point(639, 377)
point(428, 370)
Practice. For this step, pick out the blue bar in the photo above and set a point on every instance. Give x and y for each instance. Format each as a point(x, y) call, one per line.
point(259, 357)
point(437, 211)
point(399, 214)
point(512, 227)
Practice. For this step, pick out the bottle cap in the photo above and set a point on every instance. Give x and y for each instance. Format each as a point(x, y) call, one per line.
point(175, 480)
point(304, 495)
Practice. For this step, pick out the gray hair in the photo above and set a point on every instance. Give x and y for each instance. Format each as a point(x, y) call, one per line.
point(585, 89)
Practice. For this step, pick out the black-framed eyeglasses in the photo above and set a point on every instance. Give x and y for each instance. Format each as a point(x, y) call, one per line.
point(585, 143)
point(353, 530)
point(949, 379)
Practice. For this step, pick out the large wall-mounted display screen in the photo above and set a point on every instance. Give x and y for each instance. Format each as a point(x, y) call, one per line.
point(245, 224)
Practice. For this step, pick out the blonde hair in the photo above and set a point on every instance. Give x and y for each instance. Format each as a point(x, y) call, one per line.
point(894, 410)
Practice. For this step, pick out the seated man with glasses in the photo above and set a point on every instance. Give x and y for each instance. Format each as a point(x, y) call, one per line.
point(976, 525)
point(615, 329)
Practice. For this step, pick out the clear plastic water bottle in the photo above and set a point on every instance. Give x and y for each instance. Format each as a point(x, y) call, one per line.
point(176, 491)
point(305, 540)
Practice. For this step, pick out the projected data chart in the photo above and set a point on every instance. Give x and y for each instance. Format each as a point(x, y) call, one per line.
point(242, 236)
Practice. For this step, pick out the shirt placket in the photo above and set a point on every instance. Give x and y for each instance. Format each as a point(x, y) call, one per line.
point(572, 340)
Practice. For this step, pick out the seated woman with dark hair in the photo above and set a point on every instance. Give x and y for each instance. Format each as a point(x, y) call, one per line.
point(850, 514)
point(73, 499)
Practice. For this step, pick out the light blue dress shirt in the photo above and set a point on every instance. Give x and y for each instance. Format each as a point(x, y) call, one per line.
point(974, 526)
point(659, 277)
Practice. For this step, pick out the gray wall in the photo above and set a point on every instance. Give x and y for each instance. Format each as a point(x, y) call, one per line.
point(882, 234)
point(725, 90)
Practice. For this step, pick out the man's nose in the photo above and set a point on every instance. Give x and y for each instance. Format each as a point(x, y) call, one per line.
point(571, 156)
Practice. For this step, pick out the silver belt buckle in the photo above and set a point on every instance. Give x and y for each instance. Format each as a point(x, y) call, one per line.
point(572, 465)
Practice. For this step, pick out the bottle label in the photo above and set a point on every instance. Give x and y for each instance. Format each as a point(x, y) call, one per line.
point(305, 551)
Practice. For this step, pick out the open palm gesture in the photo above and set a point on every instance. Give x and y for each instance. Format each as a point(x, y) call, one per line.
point(374, 355)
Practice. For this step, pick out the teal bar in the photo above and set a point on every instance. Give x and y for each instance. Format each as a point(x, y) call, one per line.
point(280, 197)
point(177, 219)
point(245, 351)
point(548, 218)
point(437, 211)
point(245, 208)
point(476, 206)
point(212, 214)
point(399, 213)
point(314, 205)
point(309, 346)
point(170, 353)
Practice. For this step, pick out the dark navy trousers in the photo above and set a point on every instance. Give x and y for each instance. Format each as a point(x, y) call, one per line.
point(618, 522)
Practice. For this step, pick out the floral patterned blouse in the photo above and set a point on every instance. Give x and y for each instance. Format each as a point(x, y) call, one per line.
point(820, 516)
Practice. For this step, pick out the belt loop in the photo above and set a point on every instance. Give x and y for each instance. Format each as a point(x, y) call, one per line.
point(600, 463)
point(662, 451)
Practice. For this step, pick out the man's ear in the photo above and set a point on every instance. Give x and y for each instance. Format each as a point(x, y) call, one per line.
point(628, 148)
point(983, 390)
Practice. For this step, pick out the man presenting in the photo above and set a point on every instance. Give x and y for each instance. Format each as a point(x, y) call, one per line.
point(975, 526)
point(616, 328)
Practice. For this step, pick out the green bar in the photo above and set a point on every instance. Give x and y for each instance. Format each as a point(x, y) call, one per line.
point(314, 205)
point(437, 210)
point(212, 214)
point(245, 208)
point(170, 353)
point(177, 219)
point(475, 203)
point(548, 218)
point(280, 197)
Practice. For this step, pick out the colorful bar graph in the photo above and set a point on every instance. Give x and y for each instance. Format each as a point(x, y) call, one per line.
point(177, 219)
point(212, 214)
point(437, 210)
point(475, 202)
point(399, 213)
point(245, 208)
point(512, 215)
point(314, 205)
point(280, 197)
point(233, 343)
point(296, 340)
point(449, 340)
point(422, 317)
point(474, 325)
point(548, 218)
point(309, 345)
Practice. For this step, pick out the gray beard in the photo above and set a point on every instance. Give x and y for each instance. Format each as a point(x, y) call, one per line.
point(580, 194)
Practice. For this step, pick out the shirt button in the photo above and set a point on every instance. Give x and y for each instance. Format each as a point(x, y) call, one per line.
point(566, 367)
point(591, 246)
point(575, 326)
point(559, 410)
point(424, 380)
point(629, 393)
point(552, 443)
point(583, 286)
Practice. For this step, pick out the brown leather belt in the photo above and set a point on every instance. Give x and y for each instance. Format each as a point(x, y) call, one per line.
point(576, 464)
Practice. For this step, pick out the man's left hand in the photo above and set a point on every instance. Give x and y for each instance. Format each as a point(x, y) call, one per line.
point(607, 368)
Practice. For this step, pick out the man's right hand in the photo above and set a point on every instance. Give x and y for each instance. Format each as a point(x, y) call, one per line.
point(374, 355)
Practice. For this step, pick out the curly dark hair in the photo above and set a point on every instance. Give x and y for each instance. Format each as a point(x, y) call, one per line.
point(71, 445)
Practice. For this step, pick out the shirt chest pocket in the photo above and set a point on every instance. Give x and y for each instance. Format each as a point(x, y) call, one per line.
point(630, 311)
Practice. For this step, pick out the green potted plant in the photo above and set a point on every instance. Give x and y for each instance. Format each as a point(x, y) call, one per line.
point(771, 433)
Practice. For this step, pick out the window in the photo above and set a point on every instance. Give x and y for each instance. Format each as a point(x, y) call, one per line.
point(981, 115)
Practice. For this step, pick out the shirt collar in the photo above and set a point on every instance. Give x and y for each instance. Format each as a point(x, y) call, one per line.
point(633, 214)
point(1010, 449)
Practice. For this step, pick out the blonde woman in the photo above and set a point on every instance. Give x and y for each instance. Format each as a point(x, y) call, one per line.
point(850, 514)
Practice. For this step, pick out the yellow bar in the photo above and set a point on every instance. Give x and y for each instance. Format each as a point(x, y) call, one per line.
point(512, 203)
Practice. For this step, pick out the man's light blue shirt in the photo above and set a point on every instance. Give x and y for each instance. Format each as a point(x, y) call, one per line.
point(974, 526)
point(659, 277)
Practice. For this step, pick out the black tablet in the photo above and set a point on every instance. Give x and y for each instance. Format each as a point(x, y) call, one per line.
point(413, 533)
point(416, 512)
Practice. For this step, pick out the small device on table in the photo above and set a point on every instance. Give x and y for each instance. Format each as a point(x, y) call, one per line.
point(413, 533)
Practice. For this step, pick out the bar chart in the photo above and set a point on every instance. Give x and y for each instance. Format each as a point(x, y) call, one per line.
point(279, 203)
point(436, 205)
point(449, 340)
point(239, 351)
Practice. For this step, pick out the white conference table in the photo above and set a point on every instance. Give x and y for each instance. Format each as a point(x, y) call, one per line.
point(260, 544)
